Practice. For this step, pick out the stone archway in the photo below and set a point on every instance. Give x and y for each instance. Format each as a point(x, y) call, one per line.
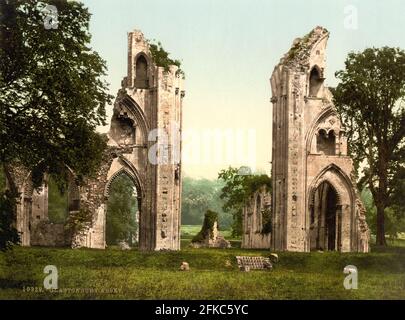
point(331, 206)
point(325, 218)
point(145, 126)
point(136, 216)
point(95, 236)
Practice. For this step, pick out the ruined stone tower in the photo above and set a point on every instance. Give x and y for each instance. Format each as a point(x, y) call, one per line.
point(315, 201)
point(143, 143)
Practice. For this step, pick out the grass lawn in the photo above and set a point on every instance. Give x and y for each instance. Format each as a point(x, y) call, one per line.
point(189, 231)
point(156, 275)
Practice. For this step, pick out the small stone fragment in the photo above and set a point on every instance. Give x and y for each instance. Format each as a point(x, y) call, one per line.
point(274, 257)
point(184, 266)
point(124, 246)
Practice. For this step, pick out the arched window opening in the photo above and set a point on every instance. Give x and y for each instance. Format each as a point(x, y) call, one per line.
point(58, 203)
point(258, 204)
point(123, 130)
point(326, 143)
point(141, 74)
point(122, 220)
point(315, 82)
point(325, 229)
point(258, 213)
point(73, 196)
point(330, 218)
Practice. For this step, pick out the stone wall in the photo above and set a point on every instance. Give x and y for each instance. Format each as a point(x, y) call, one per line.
point(254, 236)
point(144, 144)
point(33, 223)
point(49, 234)
point(309, 150)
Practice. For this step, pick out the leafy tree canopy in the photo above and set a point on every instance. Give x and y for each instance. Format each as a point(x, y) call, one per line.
point(57, 203)
point(370, 99)
point(200, 195)
point(8, 232)
point(52, 92)
point(237, 190)
point(122, 208)
point(394, 217)
point(161, 57)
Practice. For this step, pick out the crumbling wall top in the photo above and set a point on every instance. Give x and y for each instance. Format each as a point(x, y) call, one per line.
point(299, 55)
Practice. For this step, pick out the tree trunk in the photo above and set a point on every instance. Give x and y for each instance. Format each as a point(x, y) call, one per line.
point(382, 194)
point(380, 238)
point(10, 181)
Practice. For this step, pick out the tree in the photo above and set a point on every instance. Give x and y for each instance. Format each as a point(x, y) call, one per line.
point(237, 190)
point(161, 58)
point(52, 92)
point(8, 232)
point(370, 101)
point(52, 96)
point(199, 195)
point(397, 200)
point(57, 203)
point(121, 211)
point(394, 216)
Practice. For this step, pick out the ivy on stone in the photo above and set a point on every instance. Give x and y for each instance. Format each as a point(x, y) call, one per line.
point(8, 233)
point(78, 222)
point(161, 58)
point(206, 231)
point(237, 190)
point(267, 221)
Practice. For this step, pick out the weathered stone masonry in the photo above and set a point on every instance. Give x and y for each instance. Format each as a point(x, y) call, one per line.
point(253, 236)
point(32, 220)
point(146, 123)
point(143, 143)
point(315, 202)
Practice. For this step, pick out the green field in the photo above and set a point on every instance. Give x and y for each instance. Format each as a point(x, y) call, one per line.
point(156, 275)
point(189, 231)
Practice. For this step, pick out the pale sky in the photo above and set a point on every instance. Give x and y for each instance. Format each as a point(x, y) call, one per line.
point(228, 50)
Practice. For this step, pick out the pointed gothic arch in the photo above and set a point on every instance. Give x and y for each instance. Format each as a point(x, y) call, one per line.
point(126, 107)
point(258, 213)
point(141, 71)
point(33, 221)
point(131, 175)
point(315, 81)
point(330, 196)
point(315, 127)
point(135, 237)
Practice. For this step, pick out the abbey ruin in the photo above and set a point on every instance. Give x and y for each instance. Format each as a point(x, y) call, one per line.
point(254, 236)
point(142, 144)
point(314, 203)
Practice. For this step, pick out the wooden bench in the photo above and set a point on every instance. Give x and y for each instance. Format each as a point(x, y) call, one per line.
point(253, 263)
